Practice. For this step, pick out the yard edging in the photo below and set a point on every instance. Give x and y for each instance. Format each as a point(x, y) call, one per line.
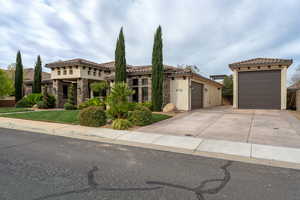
point(238, 151)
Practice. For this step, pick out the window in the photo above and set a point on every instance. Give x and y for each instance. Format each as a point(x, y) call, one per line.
point(144, 94)
point(65, 91)
point(89, 72)
point(94, 73)
point(70, 71)
point(99, 73)
point(145, 81)
point(135, 81)
point(65, 72)
point(58, 72)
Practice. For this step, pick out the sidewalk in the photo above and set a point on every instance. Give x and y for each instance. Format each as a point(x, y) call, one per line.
point(239, 151)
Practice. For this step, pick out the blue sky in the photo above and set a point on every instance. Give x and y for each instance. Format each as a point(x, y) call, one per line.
point(207, 33)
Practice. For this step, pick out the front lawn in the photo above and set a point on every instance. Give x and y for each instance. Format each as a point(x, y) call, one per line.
point(65, 116)
point(60, 116)
point(13, 109)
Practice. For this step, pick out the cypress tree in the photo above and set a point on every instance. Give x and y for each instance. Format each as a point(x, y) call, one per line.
point(120, 60)
point(157, 71)
point(37, 82)
point(19, 78)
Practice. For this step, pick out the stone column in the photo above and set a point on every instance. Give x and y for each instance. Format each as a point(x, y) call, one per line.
point(150, 89)
point(140, 90)
point(58, 92)
point(82, 90)
point(298, 100)
point(166, 91)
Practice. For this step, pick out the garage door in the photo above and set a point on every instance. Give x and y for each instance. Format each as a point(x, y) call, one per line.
point(197, 95)
point(259, 89)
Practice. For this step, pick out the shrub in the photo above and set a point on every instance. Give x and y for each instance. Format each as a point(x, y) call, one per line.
point(118, 101)
point(92, 102)
point(93, 116)
point(42, 104)
point(121, 124)
point(68, 106)
point(29, 100)
point(132, 106)
point(51, 101)
point(23, 103)
point(141, 116)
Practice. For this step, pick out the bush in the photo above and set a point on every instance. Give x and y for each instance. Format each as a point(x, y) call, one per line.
point(68, 106)
point(29, 100)
point(121, 124)
point(92, 102)
point(132, 106)
point(51, 101)
point(141, 116)
point(42, 105)
point(93, 116)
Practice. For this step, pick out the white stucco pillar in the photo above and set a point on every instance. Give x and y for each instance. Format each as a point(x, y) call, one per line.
point(235, 89)
point(283, 88)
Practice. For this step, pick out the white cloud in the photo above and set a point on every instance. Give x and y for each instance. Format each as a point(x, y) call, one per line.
point(208, 33)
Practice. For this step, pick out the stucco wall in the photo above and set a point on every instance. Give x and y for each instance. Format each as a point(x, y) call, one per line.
point(212, 96)
point(179, 93)
point(79, 72)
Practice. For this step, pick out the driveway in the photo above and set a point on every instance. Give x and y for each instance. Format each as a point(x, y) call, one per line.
point(270, 127)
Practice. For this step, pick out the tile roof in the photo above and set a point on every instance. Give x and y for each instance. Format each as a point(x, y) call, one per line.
point(76, 61)
point(261, 61)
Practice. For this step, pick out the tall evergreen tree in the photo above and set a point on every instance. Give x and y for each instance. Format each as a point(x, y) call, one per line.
point(157, 71)
point(37, 82)
point(19, 77)
point(120, 59)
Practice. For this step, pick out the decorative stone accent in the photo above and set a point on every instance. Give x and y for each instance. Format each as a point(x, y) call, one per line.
point(170, 107)
point(58, 92)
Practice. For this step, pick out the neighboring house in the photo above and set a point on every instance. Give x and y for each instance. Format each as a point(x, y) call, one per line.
point(29, 77)
point(182, 87)
point(260, 83)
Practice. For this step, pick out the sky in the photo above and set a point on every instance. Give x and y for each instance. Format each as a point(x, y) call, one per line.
point(207, 33)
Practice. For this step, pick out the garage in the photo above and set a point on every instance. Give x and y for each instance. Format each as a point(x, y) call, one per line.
point(260, 83)
point(259, 89)
point(196, 95)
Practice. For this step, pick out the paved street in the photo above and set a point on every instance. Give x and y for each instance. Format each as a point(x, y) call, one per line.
point(39, 167)
point(267, 127)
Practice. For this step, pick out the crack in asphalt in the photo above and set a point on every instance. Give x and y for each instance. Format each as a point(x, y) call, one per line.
point(199, 190)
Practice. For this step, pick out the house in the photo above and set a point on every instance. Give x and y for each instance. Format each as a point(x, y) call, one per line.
point(182, 87)
point(260, 83)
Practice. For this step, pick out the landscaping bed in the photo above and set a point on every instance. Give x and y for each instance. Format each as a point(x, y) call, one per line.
point(65, 116)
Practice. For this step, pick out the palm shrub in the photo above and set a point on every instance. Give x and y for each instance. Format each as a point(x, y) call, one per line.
point(121, 124)
point(141, 116)
point(93, 116)
point(117, 101)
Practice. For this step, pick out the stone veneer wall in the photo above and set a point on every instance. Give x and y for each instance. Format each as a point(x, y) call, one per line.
point(82, 90)
point(58, 92)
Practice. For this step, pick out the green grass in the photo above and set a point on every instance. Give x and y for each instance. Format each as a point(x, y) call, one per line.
point(13, 109)
point(60, 116)
point(159, 117)
point(65, 116)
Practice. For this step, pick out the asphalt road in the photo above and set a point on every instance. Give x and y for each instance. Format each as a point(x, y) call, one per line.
point(41, 167)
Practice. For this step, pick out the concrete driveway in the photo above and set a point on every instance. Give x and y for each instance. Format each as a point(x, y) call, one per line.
point(271, 127)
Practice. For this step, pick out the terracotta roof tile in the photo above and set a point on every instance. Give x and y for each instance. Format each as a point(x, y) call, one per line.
point(261, 61)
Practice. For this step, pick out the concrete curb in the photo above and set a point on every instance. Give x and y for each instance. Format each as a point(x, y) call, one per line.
point(238, 151)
